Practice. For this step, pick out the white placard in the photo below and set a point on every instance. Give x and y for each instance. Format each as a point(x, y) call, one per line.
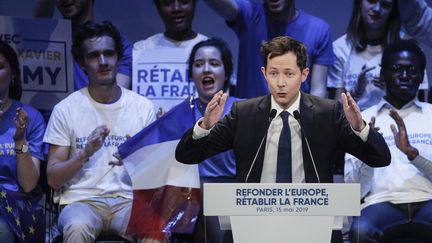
point(43, 48)
point(165, 83)
point(281, 199)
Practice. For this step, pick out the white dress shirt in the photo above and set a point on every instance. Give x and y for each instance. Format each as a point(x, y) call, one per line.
point(271, 149)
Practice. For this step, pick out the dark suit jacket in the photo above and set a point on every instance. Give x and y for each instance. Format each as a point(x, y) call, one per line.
point(323, 122)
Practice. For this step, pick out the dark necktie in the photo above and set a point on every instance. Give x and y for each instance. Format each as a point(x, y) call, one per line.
point(284, 152)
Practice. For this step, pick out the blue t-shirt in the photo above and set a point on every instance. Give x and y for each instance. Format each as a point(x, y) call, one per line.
point(253, 25)
point(223, 164)
point(14, 203)
point(124, 66)
point(34, 135)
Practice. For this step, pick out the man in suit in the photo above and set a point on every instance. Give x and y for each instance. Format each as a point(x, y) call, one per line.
point(324, 125)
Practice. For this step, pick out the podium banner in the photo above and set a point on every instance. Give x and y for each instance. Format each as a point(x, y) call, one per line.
point(281, 199)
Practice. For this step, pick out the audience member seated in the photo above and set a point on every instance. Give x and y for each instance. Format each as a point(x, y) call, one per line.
point(84, 132)
point(171, 46)
point(21, 132)
point(373, 25)
point(254, 23)
point(80, 12)
point(400, 193)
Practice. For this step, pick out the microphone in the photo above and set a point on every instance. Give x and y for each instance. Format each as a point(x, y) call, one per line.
point(272, 115)
point(297, 117)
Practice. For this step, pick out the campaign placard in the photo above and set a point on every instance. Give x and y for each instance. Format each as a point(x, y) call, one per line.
point(43, 49)
point(166, 83)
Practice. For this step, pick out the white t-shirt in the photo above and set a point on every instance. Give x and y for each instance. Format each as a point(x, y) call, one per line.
point(72, 121)
point(348, 65)
point(401, 181)
point(160, 67)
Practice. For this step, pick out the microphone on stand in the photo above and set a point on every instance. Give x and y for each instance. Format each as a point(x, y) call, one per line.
point(297, 117)
point(272, 115)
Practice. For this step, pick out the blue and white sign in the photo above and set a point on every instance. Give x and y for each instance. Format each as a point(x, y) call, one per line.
point(166, 83)
point(43, 48)
point(281, 199)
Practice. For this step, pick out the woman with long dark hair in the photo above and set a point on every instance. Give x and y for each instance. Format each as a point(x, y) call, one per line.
point(21, 131)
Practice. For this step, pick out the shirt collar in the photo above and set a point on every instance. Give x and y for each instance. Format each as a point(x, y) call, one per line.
point(291, 109)
point(385, 104)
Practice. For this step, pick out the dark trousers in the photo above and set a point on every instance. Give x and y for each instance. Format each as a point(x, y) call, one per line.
point(375, 219)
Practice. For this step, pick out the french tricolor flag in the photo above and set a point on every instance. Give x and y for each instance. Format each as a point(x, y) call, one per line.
point(166, 196)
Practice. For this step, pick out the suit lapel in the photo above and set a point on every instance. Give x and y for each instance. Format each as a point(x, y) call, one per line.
point(307, 118)
point(261, 124)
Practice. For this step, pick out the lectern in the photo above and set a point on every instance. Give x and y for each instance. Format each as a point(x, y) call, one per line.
point(281, 212)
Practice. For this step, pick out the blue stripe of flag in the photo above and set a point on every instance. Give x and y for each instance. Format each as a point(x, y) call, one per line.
point(171, 126)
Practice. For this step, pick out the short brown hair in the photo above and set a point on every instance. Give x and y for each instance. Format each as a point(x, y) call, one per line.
point(281, 45)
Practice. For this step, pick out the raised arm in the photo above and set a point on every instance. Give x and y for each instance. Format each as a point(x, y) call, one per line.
point(403, 144)
point(214, 110)
point(352, 112)
point(207, 138)
point(27, 165)
point(416, 18)
point(227, 9)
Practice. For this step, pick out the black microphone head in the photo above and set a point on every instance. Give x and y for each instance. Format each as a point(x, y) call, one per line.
point(296, 114)
point(272, 114)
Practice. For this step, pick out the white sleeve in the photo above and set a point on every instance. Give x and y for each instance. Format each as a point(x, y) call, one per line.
point(363, 134)
point(199, 132)
point(335, 72)
point(424, 165)
point(58, 130)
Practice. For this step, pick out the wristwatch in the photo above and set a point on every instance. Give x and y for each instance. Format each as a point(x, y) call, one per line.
point(21, 150)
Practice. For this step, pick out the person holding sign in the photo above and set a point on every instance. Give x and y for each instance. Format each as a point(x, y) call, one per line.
point(21, 132)
point(160, 61)
point(84, 132)
point(313, 129)
point(400, 194)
